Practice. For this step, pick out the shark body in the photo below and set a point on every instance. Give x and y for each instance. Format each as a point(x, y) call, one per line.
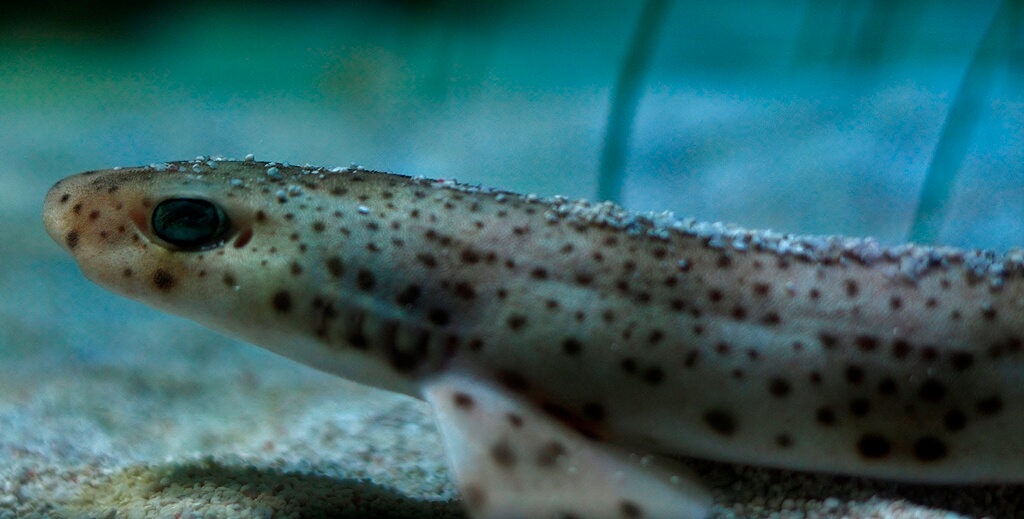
point(556, 340)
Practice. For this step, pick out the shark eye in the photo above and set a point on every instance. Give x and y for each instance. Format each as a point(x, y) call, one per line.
point(190, 223)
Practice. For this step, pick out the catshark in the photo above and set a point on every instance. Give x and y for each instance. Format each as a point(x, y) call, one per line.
point(569, 350)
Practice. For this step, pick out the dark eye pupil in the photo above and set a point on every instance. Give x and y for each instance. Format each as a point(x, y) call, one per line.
point(189, 223)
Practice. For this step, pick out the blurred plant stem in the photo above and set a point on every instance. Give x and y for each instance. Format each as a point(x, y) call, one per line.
point(964, 112)
point(625, 98)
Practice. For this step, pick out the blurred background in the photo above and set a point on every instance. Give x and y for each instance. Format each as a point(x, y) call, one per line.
point(801, 116)
point(810, 117)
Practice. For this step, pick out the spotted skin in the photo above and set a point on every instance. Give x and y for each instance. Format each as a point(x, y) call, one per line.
point(636, 332)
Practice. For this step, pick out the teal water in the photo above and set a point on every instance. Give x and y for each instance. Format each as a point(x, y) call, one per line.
point(787, 115)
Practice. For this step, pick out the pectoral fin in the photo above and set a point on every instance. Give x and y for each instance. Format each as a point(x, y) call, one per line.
point(512, 460)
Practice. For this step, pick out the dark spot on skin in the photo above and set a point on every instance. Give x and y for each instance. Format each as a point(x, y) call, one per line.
point(691, 359)
point(230, 280)
point(572, 347)
point(895, 303)
point(428, 260)
point(723, 261)
point(163, 280)
point(409, 296)
point(463, 401)
point(64, 198)
point(127, 273)
point(654, 375)
point(655, 336)
point(739, 313)
point(887, 387)
point(261, 216)
point(439, 316)
point(628, 365)
point(514, 380)
point(900, 349)
point(319, 227)
point(720, 421)
point(515, 420)
point(72, 239)
point(503, 455)
point(516, 321)
point(715, 295)
point(295, 268)
point(930, 448)
point(783, 441)
point(779, 387)
point(549, 453)
point(852, 288)
point(854, 374)
point(874, 446)
point(929, 353)
point(762, 289)
point(771, 319)
point(539, 273)
point(815, 378)
point(989, 406)
point(282, 301)
point(94, 215)
point(464, 290)
point(962, 360)
point(470, 256)
point(723, 348)
point(954, 420)
point(584, 278)
point(988, 312)
point(828, 341)
point(335, 266)
point(932, 391)
point(630, 509)
point(1015, 344)
point(866, 342)
point(365, 280)
point(814, 293)
point(825, 416)
point(860, 407)
point(594, 411)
